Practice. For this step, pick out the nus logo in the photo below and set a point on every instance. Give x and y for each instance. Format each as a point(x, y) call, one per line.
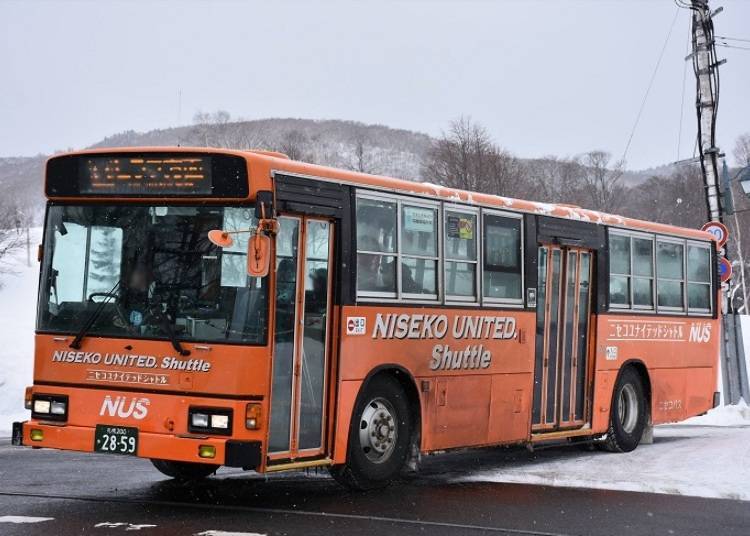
point(121, 407)
point(700, 332)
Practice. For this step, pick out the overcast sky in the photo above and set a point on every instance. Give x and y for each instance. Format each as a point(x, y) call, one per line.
point(545, 77)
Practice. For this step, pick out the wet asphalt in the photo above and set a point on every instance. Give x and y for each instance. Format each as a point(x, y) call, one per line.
point(107, 494)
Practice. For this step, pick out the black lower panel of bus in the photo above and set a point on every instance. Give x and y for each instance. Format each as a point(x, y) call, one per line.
point(245, 454)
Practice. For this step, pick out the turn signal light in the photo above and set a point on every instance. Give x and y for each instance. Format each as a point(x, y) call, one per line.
point(207, 451)
point(36, 434)
point(27, 398)
point(252, 416)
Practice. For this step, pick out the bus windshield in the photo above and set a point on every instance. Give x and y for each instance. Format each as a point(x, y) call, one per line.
point(152, 273)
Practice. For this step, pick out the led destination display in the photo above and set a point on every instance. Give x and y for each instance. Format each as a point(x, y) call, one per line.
point(145, 175)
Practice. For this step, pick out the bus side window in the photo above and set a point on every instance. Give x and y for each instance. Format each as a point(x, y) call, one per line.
point(376, 247)
point(699, 279)
point(460, 255)
point(419, 257)
point(670, 275)
point(619, 271)
point(502, 258)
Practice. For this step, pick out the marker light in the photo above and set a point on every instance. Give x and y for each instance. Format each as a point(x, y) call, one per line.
point(36, 434)
point(27, 398)
point(199, 420)
point(42, 406)
point(220, 421)
point(207, 451)
point(252, 416)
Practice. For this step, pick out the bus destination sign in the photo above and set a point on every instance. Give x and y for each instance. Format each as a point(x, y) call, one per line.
point(146, 175)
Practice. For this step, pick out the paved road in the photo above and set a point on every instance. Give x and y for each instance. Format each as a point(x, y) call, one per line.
point(99, 494)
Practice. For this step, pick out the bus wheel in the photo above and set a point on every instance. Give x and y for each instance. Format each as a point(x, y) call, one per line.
point(379, 436)
point(628, 413)
point(185, 470)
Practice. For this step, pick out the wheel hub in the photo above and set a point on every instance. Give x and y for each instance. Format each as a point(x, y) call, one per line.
point(627, 408)
point(377, 430)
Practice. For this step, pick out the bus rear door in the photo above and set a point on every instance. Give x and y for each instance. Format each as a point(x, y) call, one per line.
point(562, 343)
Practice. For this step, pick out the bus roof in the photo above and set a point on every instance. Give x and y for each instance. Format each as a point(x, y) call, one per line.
point(263, 164)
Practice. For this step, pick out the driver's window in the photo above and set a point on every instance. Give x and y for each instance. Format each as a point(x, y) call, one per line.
point(83, 270)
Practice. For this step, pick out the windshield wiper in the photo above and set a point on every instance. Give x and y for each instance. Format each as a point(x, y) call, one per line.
point(166, 324)
point(76, 344)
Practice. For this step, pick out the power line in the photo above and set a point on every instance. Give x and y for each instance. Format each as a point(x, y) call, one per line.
point(732, 38)
point(731, 46)
point(650, 83)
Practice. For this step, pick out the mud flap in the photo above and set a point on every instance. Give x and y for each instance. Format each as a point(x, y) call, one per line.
point(16, 437)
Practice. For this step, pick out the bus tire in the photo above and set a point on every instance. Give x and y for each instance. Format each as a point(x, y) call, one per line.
point(379, 436)
point(628, 413)
point(184, 470)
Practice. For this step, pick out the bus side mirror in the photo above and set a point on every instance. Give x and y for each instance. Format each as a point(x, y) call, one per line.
point(258, 255)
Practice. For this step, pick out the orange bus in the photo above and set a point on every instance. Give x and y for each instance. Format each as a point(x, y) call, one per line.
point(208, 307)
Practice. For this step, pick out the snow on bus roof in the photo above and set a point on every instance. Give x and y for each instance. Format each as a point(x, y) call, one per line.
point(281, 162)
point(557, 210)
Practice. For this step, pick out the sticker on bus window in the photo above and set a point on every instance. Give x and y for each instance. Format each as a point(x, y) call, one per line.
point(611, 353)
point(356, 325)
point(462, 228)
point(419, 220)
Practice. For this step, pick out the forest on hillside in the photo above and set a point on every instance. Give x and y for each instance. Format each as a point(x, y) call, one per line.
point(464, 156)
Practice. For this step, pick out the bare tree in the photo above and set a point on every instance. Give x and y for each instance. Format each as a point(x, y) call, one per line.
point(218, 130)
point(603, 183)
point(14, 234)
point(677, 199)
point(295, 145)
point(362, 159)
point(466, 157)
point(742, 150)
point(556, 180)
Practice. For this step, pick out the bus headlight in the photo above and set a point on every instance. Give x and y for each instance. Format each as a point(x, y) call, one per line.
point(210, 421)
point(58, 407)
point(49, 407)
point(199, 420)
point(220, 421)
point(42, 406)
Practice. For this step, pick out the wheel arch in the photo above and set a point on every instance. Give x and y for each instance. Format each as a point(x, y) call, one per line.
point(640, 367)
point(407, 382)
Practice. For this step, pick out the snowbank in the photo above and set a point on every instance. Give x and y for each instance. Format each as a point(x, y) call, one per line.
point(738, 415)
point(685, 460)
point(17, 317)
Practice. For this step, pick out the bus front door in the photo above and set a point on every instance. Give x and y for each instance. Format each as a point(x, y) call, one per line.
point(561, 386)
point(301, 336)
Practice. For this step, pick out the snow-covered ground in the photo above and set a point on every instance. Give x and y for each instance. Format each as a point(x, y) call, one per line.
point(17, 309)
point(703, 461)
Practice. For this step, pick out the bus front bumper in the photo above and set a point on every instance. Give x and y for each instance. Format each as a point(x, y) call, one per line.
point(180, 448)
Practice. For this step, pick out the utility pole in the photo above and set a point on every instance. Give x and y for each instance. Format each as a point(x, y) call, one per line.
point(705, 65)
point(706, 68)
